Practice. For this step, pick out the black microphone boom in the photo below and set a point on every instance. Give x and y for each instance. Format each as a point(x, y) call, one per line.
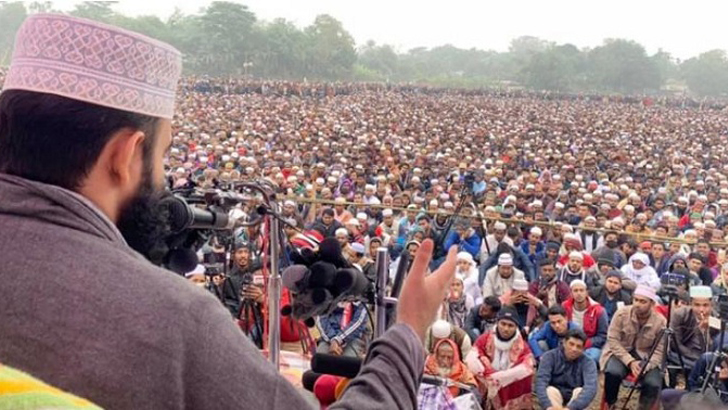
point(182, 216)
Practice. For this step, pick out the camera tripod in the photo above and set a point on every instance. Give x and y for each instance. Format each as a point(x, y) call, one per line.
point(711, 379)
point(667, 337)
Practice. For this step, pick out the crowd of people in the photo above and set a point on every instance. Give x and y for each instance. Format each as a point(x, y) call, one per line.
point(582, 223)
point(574, 218)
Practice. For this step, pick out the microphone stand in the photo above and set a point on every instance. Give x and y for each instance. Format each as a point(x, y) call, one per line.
point(274, 279)
point(381, 300)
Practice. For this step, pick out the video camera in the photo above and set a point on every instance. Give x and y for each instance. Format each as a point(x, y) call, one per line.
point(671, 282)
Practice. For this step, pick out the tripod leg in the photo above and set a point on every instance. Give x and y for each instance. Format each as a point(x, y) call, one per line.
point(673, 339)
point(641, 373)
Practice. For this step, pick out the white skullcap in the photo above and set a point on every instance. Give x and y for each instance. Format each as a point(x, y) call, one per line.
point(441, 329)
point(576, 255)
point(387, 212)
point(198, 270)
point(505, 259)
point(702, 292)
point(465, 256)
point(577, 282)
point(536, 231)
point(520, 285)
point(341, 231)
point(500, 226)
point(362, 216)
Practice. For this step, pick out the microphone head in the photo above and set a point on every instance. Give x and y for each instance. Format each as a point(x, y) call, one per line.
point(350, 281)
point(322, 275)
point(180, 215)
point(304, 256)
point(311, 303)
point(342, 366)
point(330, 251)
point(286, 310)
point(310, 322)
point(309, 379)
point(294, 278)
point(182, 260)
point(325, 389)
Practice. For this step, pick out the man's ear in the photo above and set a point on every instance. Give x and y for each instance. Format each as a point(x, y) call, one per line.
point(125, 152)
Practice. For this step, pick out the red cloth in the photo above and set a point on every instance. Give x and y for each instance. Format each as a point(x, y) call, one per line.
point(325, 389)
point(588, 260)
point(516, 395)
point(591, 317)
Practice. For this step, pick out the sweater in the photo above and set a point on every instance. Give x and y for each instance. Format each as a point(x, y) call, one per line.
point(554, 370)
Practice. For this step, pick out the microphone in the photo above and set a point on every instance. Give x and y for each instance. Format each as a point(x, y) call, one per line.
point(350, 281)
point(309, 378)
point(322, 275)
point(330, 251)
point(295, 278)
point(182, 260)
point(311, 303)
point(342, 366)
point(399, 276)
point(182, 216)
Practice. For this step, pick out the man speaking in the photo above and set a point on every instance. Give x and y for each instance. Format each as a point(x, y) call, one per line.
point(85, 121)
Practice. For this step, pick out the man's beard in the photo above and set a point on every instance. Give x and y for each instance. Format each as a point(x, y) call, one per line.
point(444, 371)
point(144, 224)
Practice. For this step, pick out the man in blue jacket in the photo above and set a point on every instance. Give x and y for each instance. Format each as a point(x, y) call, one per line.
point(464, 237)
point(551, 333)
point(343, 331)
point(566, 378)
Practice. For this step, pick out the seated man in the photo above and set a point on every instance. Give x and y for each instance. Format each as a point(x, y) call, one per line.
point(482, 317)
point(589, 316)
point(550, 335)
point(633, 332)
point(566, 378)
point(611, 295)
point(499, 279)
point(526, 305)
point(503, 364)
point(445, 362)
point(549, 289)
point(693, 335)
point(343, 331)
point(441, 329)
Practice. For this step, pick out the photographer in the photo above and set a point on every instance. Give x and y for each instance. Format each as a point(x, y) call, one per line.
point(100, 194)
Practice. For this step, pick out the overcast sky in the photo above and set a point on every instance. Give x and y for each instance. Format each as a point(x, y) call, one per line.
point(684, 28)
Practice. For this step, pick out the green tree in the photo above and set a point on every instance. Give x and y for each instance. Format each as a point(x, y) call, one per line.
point(381, 59)
point(623, 66)
point(280, 50)
point(557, 68)
point(707, 74)
point(11, 17)
point(331, 49)
point(224, 31)
point(95, 10)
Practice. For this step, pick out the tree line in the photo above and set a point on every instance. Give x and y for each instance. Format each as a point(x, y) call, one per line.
point(227, 39)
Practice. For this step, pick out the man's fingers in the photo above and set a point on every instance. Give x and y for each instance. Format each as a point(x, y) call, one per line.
point(446, 272)
point(422, 260)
